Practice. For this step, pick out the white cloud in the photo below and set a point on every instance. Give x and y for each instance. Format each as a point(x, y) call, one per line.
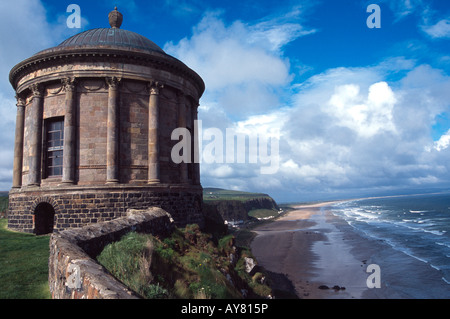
point(224, 57)
point(345, 129)
point(24, 31)
point(241, 64)
point(443, 142)
point(366, 116)
point(439, 30)
point(403, 8)
point(348, 128)
point(273, 35)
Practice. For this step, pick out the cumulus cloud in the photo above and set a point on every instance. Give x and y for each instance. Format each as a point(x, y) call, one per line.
point(24, 30)
point(241, 64)
point(355, 130)
point(443, 142)
point(348, 131)
point(225, 57)
point(366, 116)
point(343, 131)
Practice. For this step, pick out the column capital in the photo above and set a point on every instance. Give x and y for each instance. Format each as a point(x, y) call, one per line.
point(37, 90)
point(69, 84)
point(20, 101)
point(154, 87)
point(113, 82)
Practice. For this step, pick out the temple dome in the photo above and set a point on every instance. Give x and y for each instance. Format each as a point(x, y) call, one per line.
point(101, 45)
point(110, 38)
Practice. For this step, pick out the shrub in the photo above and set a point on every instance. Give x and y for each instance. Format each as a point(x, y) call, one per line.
point(226, 244)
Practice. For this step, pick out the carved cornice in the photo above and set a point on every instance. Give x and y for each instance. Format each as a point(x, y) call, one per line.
point(52, 58)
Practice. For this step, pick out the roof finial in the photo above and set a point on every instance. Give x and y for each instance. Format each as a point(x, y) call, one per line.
point(115, 18)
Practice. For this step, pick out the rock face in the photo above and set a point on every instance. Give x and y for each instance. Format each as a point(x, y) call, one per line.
point(250, 265)
point(238, 209)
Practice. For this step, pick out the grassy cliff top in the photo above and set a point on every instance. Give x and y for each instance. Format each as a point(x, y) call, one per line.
point(188, 264)
point(213, 194)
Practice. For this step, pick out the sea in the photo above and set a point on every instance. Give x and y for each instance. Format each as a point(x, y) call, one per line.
point(416, 229)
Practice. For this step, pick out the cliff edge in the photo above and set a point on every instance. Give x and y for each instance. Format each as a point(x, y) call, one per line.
point(236, 207)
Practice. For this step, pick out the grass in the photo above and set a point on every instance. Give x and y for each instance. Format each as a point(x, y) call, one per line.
point(263, 213)
point(23, 265)
point(3, 203)
point(214, 194)
point(188, 264)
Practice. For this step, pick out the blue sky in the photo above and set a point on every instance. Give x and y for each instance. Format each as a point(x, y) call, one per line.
point(357, 111)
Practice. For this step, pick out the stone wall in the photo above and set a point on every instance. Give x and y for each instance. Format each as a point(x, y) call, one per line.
point(91, 114)
point(79, 206)
point(73, 271)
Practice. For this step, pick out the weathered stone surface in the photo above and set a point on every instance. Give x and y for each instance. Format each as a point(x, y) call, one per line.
point(73, 272)
point(77, 207)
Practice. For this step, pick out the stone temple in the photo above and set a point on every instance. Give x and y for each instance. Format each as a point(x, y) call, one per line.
point(95, 116)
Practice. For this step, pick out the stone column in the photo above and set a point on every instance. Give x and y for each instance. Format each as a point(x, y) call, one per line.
point(68, 176)
point(36, 135)
point(18, 143)
point(153, 133)
point(182, 123)
point(112, 135)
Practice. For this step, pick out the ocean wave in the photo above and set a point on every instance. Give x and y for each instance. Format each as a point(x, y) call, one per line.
point(442, 244)
point(409, 253)
point(431, 231)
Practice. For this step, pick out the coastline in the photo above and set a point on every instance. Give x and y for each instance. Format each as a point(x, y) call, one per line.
point(313, 248)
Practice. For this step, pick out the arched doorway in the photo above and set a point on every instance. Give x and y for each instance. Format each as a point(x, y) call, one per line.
point(44, 215)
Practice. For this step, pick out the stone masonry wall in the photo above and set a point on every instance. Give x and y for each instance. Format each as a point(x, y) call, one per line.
point(73, 272)
point(80, 206)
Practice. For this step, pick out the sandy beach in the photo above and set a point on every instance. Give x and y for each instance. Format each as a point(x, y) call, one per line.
point(310, 248)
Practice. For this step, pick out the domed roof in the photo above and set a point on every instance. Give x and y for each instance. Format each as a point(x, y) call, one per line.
point(106, 44)
point(110, 37)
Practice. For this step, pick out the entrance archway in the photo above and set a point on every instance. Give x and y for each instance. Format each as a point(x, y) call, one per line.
point(44, 215)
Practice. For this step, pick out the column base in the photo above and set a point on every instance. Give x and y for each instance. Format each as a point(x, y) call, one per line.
point(112, 181)
point(153, 181)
